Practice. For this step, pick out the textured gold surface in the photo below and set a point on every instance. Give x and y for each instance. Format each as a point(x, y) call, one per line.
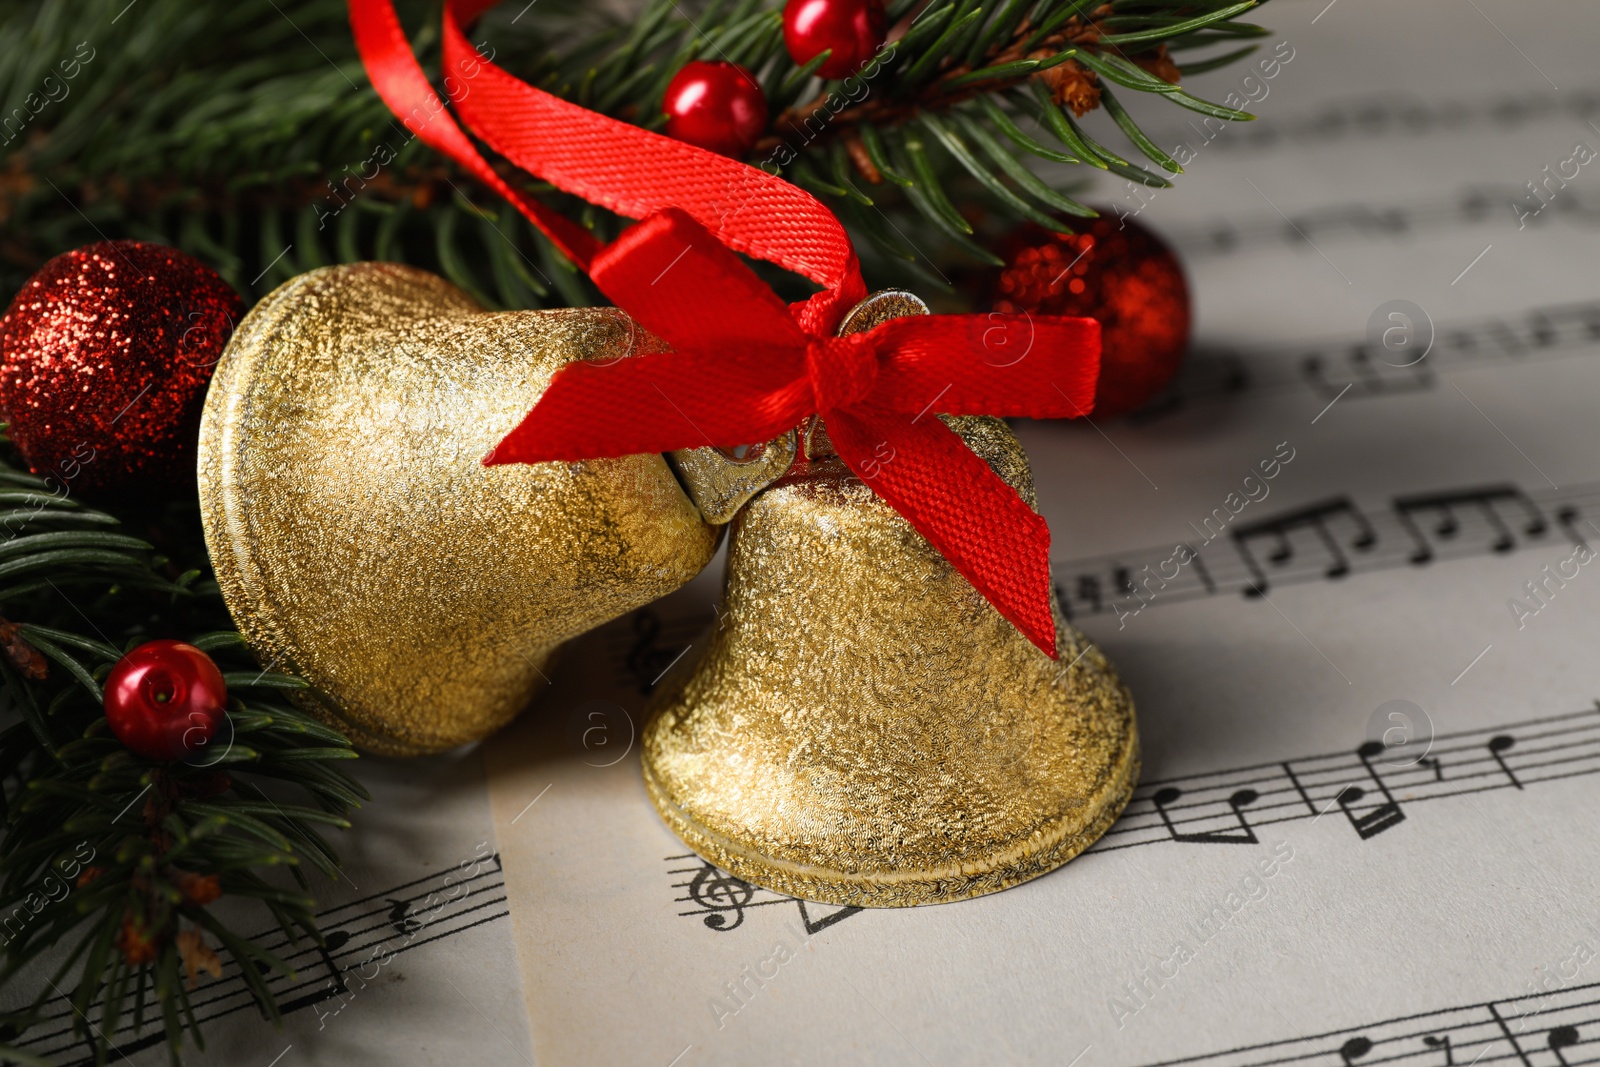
point(862, 727)
point(360, 542)
point(720, 483)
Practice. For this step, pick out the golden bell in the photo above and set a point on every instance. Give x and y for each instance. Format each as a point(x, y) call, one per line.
point(862, 727)
point(361, 544)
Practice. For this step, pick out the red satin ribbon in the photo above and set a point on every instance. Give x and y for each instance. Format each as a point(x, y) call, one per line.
point(746, 367)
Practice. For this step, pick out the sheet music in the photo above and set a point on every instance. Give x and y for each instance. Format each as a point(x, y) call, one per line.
point(418, 968)
point(1366, 681)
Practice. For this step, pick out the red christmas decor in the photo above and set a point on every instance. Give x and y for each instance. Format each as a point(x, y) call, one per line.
point(691, 199)
point(716, 106)
point(1118, 272)
point(853, 29)
point(685, 287)
point(165, 699)
point(104, 359)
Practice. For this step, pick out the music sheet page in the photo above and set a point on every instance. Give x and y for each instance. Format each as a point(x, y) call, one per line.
point(1347, 576)
point(418, 967)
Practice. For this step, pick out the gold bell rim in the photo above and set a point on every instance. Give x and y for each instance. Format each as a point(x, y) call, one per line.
point(1033, 856)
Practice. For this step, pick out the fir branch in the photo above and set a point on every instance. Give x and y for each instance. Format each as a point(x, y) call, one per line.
point(109, 864)
point(247, 133)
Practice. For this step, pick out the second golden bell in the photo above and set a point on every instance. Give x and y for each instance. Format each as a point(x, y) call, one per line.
point(861, 726)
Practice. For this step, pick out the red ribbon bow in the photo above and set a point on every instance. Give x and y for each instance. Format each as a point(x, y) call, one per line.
point(745, 367)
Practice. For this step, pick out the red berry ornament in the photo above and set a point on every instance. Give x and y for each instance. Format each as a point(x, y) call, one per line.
point(853, 29)
point(1120, 273)
point(165, 699)
point(716, 106)
point(104, 359)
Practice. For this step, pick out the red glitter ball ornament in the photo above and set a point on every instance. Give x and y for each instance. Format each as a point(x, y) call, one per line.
point(853, 29)
point(104, 359)
point(715, 106)
point(1118, 272)
point(165, 700)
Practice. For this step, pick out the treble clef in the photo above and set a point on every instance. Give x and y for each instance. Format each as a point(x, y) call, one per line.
point(720, 894)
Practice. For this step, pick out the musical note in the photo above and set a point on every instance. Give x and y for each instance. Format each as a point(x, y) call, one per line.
point(1436, 764)
point(1354, 1049)
point(1498, 745)
point(1417, 377)
point(1448, 525)
point(1586, 316)
point(1315, 518)
point(1201, 569)
point(1369, 378)
point(300, 990)
point(822, 922)
point(398, 917)
point(1560, 1039)
point(1122, 577)
point(647, 658)
point(1441, 1042)
point(1568, 518)
point(1385, 815)
point(336, 986)
point(721, 894)
point(1240, 800)
point(1359, 218)
point(1089, 589)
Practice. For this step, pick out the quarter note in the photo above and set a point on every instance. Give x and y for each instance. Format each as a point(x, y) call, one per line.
point(1089, 590)
point(1354, 1049)
point(1201, 569)
point(1062, 599)
point(399, 912)
point(1562, 1038)
point(1498, 746)
point(644, 658)
point(1380, 818)
point(336, 986)
point(1244, 835)
point(1441, 1042)
point(1568, 518)
point(1122, 578)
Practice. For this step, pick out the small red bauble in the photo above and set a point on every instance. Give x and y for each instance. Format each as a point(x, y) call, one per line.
point(854, 29)
point(104, 359)
point(716, 106)
point(165, 700)
point(1120, 273)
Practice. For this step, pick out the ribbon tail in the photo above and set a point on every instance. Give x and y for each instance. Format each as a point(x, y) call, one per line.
point(393, 69)
point(988, 533)
point(636, 173)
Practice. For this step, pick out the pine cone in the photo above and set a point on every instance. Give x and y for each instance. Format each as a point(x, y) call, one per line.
point(198, 888)
point(135, 942)
point(197, 956)
point(1073, 86)
point(1160, 64)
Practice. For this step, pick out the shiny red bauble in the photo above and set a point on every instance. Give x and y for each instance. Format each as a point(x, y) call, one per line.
point(104, 359)
point(716, 106)
point(1118, 272)
point(165, 700)
point(853, 29)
